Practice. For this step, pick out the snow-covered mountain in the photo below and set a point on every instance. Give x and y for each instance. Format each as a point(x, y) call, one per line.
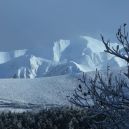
point(65, 57)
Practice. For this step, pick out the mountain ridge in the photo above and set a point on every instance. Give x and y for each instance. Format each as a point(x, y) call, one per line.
point(67, 57)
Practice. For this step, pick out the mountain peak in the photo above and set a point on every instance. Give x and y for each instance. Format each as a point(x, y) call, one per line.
point(58, 48)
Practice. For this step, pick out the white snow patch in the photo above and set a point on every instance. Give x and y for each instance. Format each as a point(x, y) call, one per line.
point(58, 48)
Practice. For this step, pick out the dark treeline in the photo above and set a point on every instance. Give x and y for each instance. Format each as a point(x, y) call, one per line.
point(55, 118)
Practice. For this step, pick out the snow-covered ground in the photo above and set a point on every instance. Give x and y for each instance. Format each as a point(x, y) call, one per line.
point(30, 93)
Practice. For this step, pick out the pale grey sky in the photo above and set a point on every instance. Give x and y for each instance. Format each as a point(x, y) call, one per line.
point(31, 23)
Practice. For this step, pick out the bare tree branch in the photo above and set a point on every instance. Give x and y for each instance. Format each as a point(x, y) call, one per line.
point(122, 37)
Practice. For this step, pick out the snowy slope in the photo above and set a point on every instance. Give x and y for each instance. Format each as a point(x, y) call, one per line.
point(24, 67)
point(41, 91)
point(65, 57)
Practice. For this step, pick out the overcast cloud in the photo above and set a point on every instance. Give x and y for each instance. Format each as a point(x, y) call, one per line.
point(31, 23)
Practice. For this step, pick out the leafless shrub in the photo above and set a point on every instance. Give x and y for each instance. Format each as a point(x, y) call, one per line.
point(106, 99)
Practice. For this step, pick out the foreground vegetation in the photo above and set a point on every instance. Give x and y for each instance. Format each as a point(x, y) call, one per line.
point(61, 118)
point(54, 118)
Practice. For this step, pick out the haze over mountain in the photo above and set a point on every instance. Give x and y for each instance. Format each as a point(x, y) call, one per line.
point(65, 57)
point(31, 23)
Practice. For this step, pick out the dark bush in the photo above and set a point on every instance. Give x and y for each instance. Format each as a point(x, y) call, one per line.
point(54, 118)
